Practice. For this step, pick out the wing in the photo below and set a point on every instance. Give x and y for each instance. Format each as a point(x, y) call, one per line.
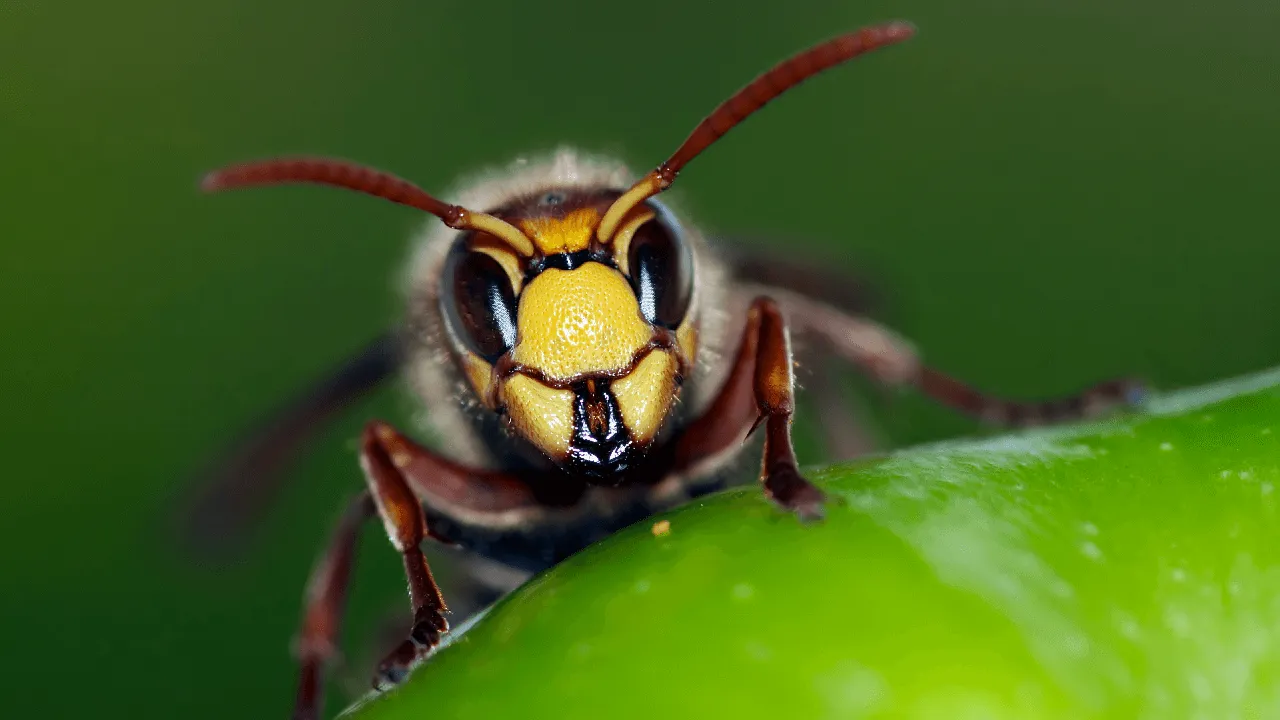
point(233, 490)
point(749, 262)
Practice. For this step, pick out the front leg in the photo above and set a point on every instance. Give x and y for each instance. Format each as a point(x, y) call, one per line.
point(406, 527)
point(400, 476)
point(775, 397)
point(760, 388)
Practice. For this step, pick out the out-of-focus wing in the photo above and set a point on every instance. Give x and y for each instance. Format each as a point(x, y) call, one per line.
point(230, 493)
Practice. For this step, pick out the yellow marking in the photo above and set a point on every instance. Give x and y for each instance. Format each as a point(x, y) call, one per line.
point(575, 322)
point(500, 229)
point(687, 339)
point(661, 528)
point(562, 235)
point(622, 240)
point(646, 395)
point(647, 187)
point(480, 374)
point(509, 261)
point(542, 415)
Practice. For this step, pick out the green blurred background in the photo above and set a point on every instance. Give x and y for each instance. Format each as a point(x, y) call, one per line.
point(1048, 193)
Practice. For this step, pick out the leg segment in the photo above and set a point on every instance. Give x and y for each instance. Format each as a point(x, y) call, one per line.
point(406, 527)
point(759, 389)
point(890, 359)
point(323, 608)
point(400, 477)
point(1091, 402)
point(775, 396)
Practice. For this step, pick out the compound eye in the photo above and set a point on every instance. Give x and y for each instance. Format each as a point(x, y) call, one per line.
point(661, 268)
point(479, 302)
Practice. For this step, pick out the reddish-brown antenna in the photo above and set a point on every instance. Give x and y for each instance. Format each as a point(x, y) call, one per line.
point(777, 80)
point(340, 173)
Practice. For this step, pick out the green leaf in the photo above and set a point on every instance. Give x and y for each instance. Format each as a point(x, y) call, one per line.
point(1128, 568)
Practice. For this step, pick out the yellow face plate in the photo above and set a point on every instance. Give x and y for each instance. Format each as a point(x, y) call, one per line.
point(577, 322)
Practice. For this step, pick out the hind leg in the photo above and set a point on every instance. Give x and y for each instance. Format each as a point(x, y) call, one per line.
point(324, 604)
point(887, 358)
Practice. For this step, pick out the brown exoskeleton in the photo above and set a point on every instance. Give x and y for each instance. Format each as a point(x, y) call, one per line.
point(609, 363)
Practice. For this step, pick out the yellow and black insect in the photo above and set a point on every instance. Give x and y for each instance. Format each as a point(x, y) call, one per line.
point(589, 358)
